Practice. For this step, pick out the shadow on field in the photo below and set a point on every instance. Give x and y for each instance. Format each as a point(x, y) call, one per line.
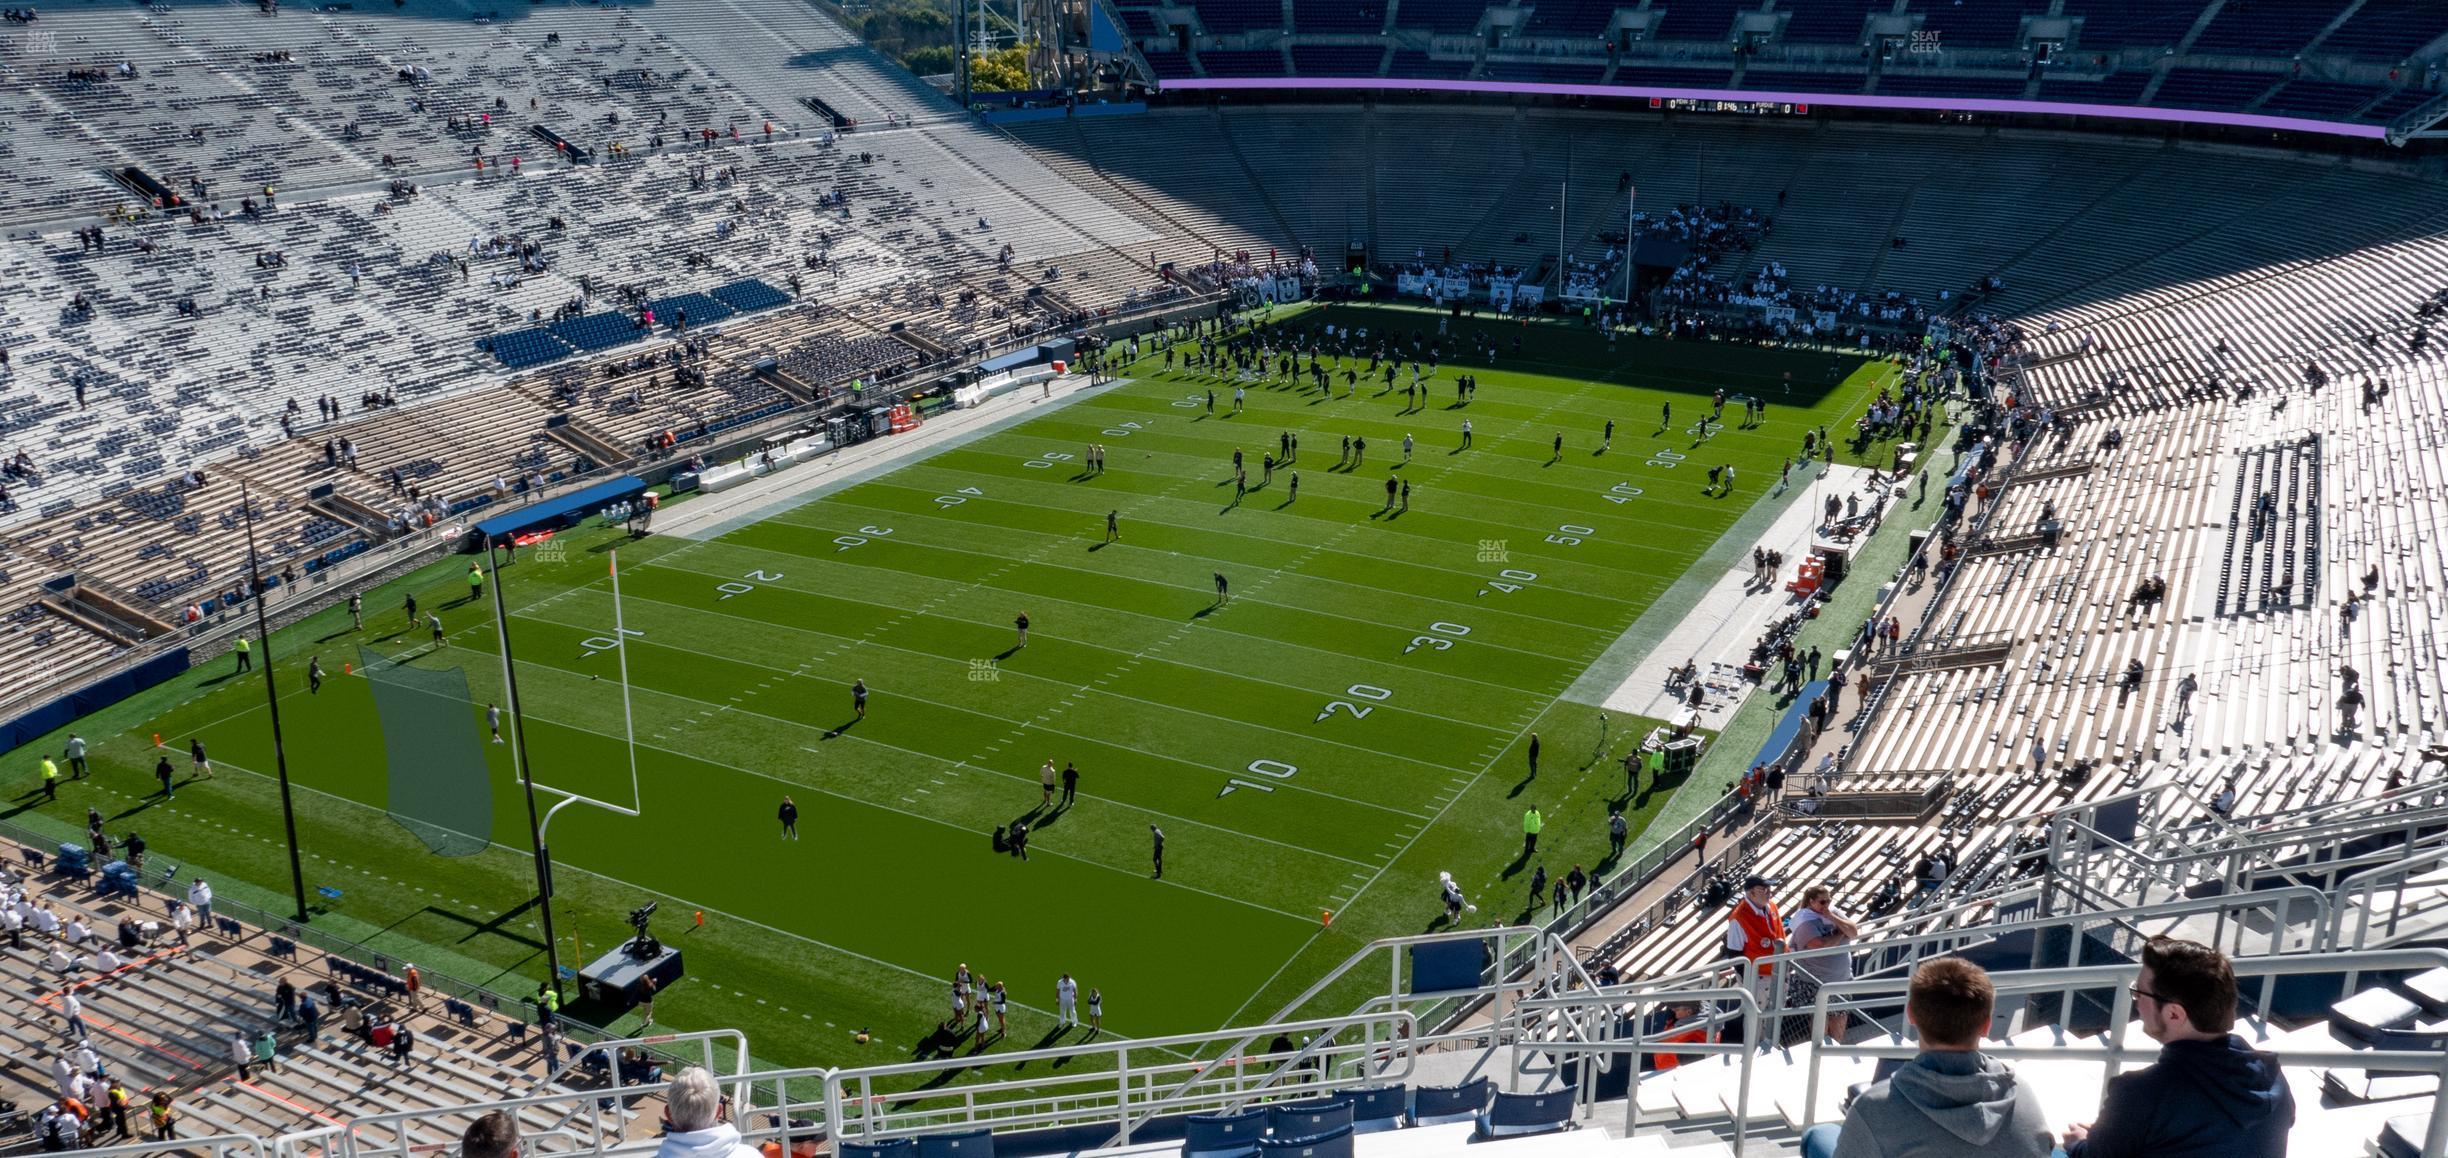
point(497, 927)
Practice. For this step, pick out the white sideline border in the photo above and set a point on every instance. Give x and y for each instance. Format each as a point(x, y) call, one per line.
point(711, 516)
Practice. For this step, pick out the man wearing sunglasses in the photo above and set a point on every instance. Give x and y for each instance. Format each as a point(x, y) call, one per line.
point(2209, 1096)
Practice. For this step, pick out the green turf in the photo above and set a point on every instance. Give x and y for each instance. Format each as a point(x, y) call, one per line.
point(748, 643)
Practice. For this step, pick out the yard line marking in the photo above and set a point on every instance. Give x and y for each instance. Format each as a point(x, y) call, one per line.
point(1237, 597)
point(1172, 817)
point(1038, 722)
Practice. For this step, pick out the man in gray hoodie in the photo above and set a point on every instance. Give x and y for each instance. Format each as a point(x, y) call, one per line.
point(1950, 1100)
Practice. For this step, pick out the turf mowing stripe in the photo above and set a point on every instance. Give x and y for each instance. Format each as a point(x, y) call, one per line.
point(1121, 591)
point(1260, 692)
point(816, 537)
point(563, 865)
point(1086, 525)
point(1041, 637)
point(1083, 744)
point(1298, 742)
point(1087, 531)
point(1476, 528)
point(1064, 684)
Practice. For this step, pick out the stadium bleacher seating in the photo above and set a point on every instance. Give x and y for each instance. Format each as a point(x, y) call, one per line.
point(198, 335)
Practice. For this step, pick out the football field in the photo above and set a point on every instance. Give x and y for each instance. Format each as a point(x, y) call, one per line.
point(1353, 718)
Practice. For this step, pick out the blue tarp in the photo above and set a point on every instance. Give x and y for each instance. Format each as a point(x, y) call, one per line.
point(576, 504)
point(1790, 725)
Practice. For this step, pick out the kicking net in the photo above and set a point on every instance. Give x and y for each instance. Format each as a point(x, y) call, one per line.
point(439, 787)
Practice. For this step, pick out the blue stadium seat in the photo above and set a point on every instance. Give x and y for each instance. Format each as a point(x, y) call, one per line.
point(1335, 60)
point(885, 1148)
point(1829, 21)
point(1435, 1104)
point(1238, 62)
point(1334, 1144)
point(1702, 20)
point(1223, 1135)
point(966, 1144)
point(1222, 16)
point(750, 296)
point(597, 331)
point(1379, 1108)
point(2386, 30)
point(1420, 65)
point(2265, 27)
point(1924, 85)
point(702, 310)
point(1527, 1114)
point(1169, 65)
point(521, 348)
point(1458, 16)
point(1346, 16)
point(1308, 1117)
point(2319, 98)
point(2210, 88)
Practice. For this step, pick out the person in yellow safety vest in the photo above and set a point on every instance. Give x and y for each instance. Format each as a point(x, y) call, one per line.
point(50, 779)
point(1532, 822)
point(475, 582)
point(245, 653)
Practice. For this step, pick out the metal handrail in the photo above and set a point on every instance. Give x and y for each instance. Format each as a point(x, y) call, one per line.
point(660, 1042)
point(2368, 883)
point(1632, 1002)
point(221, 1145)
point(851, 1100)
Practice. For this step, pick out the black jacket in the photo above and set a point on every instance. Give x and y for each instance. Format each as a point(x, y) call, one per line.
point(2204, 1099)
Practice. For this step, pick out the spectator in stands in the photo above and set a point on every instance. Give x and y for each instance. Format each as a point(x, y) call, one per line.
point(1754, 930)
point(2209, 1095)
point(695, 1112)
point(1949, 1100)
point(1683, 1024)
point(164, 1119)
point(73, 1010)
point(495, 1135)
point(1817, 925)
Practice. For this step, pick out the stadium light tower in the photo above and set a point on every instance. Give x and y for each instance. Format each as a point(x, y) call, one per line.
point(280, 754)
